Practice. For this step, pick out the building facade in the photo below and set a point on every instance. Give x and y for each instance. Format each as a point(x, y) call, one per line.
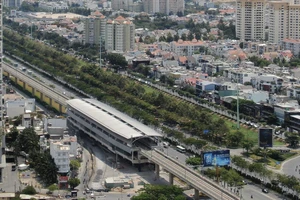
point(12, 3)
point(116, 35)
point(250, 17)
point(278, 21)
point(291, 44)
point(186, 48)
point(2, 133)
point(62, 151)
point(94, 26)
point(120, 35)
point(115, 131)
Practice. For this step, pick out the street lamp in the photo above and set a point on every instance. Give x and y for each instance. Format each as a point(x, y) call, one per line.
point(237, 106)
point(31, 30)
point(100, 51)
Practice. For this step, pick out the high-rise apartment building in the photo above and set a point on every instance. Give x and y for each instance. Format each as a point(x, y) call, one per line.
point(120, 35)
point(2, 133)
point(250, 19)
point(278, 20)
point(117, 34)
point(121, 4)
point(163, 6)
point(12, 3)
point(94, 28)
point(151, 6)
point(294, 21)
point(284, 20)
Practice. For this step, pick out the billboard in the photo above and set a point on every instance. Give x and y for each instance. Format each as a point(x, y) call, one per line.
point(216, 158)
point(265, 137)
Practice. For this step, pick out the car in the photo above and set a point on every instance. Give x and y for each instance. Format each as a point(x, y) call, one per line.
point(265, 190)
point(68, 196)
point(102, 190)
point(244, 182)
point(165, 144)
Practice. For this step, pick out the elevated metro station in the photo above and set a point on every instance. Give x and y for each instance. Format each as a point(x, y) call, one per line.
point(116, 131)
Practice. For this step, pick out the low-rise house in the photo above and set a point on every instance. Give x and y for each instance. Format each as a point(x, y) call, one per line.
point(62, 151)
point(267, 82)
point(186, 48)
point(15, 108)
point(280, 109)
point(291, 44)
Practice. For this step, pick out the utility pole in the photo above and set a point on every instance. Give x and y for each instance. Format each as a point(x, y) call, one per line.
point(237, 107)
point(31, 31)
point(100, 64)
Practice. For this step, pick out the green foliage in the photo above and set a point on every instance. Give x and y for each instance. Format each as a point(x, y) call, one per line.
point(117, 59)
point(73, 182)
point(260, 62)
point(193, 161)
point(53, 187)
point(44, 165)
point(292, 139)
point(28, 141)
point(234, 139)
point(74, 164)
point(11, 137)
point(29, 190)
point(161, 192)
point(152, 107)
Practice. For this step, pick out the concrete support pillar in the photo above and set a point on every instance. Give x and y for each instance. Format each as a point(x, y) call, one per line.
point(156, 171)
point(33, 91)
point(24, 84)
point(60, 108)
point(42, 96)
point(50, 101)
point(171, 179)
point(196, 195)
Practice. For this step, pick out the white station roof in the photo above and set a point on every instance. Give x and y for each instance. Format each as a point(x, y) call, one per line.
point(112, 119)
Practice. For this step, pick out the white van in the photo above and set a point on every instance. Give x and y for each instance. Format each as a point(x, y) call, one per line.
point(180, 149)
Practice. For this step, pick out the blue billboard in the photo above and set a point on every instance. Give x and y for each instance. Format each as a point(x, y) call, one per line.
point(265, 137)
point(216, 158)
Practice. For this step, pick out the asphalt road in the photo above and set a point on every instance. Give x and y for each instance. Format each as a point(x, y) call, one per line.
point(11, 181)
point(247, 190)
point(292, 167)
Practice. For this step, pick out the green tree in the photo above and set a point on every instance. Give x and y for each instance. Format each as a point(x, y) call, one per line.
point(12, 137)
point(248, 145)
point(176, 37)
point(193, 161)
point(53, 187)
point(117, 59)
point(292, 138)
point(28, 141)
point(160, 192)
point(234, 139)
point(169, 37)
point(184, 37)
point(73, 182)
point(29, 190)
point(74, 164)
point(190, 36)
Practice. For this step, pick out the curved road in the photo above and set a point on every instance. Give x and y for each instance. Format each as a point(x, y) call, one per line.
point(292, 167)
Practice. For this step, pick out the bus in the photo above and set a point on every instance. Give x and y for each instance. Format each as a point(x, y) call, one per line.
point(180, 149)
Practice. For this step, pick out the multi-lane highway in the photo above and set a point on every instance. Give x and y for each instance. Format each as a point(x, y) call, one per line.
point(192, 178)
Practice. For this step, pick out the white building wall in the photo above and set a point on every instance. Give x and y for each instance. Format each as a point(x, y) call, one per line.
point(60, 154)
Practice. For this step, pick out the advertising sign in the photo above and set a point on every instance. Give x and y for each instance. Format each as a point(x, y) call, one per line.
point(265, 137)
point(216, 158)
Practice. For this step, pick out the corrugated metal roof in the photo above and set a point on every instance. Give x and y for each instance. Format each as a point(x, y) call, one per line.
point(112, 119)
